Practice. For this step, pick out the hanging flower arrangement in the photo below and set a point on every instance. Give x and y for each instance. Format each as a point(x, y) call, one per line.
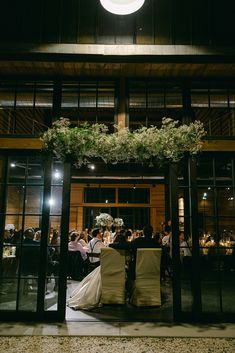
point(151, 145)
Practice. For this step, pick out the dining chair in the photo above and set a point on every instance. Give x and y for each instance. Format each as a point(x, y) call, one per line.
point(146, 289)
point(113, 276)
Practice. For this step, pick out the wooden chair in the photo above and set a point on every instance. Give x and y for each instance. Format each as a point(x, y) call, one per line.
point(76, 266)
point(146, 287)
point(113, 276)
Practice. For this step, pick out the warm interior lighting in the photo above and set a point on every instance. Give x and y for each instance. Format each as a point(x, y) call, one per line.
point(122, 7)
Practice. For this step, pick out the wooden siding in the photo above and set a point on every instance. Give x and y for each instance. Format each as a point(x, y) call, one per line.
point(192, 22)
point(36, 144)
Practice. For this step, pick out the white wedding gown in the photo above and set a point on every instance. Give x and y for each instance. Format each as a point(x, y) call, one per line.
point(87, 295)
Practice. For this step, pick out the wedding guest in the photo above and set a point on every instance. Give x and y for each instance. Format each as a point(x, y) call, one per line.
point(146, 241)
point(74, 245)
point(81, 239)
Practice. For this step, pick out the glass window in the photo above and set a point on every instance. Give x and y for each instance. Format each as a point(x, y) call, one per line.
point(223, 168)
point(26, 107)
point(17, 170)
point(33, 199)
point(226, 201)
point(15, 199)
point(206, 201)
point(92, 102)
point(99, 195)
point(56, 200)
point(35, 171)
point(133, 195)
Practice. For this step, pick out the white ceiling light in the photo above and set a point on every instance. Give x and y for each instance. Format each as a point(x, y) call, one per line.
point(122, 7)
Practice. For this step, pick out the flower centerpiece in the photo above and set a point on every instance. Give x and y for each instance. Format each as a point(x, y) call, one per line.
point(104, 220)
point(118, 222)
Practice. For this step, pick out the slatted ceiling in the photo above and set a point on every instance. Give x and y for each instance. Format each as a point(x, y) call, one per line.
point(76, 69)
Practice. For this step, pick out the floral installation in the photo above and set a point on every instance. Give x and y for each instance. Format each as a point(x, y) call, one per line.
point(152, 145)
point(118, 222)
point(104, 220)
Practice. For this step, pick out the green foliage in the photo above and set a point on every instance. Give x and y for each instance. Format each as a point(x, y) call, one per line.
point(80, 144)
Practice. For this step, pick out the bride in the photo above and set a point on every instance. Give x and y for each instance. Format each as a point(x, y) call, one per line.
point(87, 295)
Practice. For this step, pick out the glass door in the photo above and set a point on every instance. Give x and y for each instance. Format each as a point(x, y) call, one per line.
point(31, 214)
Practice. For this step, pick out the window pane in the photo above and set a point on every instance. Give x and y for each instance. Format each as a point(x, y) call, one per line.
point(226, 202)
point(102, 195)
point(56, 200)
point(15, 199)
point(134, 195)
point(33, 200)
point(17, 170)
point(35, 171)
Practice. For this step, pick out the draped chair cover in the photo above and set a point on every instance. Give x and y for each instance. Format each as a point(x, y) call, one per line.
point(146, 287)
point(113, 276)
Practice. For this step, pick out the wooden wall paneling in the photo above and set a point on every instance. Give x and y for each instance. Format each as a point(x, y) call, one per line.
point(87, 21)
point(222, 29)
point(163, 12)
point(76, 196)
point(29, 21)
point(69, 21)
point(51, 21)
point(7, 21)
point(200, 22)
point(182, 15)
point(145, 24)
point(157, 211)
point(125, 29)
point(105, 27)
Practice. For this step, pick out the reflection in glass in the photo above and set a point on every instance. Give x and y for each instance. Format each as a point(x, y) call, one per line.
point(8, 296)
point(32, 221)
point(226, 201)
point(33, 200)
point(28, 293)
point(17, 169)
point(223, 169)
point(55, 200)
point(205, 170)
point(35, 171)
point(15, 199)
point(206, 201)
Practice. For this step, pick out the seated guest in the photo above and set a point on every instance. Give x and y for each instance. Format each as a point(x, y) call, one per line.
point(81, 239)
point(95, 246)
point(121, 241)
point(146, 241)
point(74, 245)
point(30, 253)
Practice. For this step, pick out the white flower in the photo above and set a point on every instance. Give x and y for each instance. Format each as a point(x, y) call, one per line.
point(118, 222)
point(152, 145)
point(104, 220)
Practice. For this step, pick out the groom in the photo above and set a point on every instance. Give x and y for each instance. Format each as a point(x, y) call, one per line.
point(94, 248)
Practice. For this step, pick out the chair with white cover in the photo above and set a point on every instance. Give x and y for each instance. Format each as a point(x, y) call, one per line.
point(113, 276)
point(146, 287)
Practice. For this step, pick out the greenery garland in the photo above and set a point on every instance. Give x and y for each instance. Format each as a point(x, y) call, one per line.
point(152, 145)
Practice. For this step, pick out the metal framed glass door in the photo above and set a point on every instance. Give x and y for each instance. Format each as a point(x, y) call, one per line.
point(32, 220)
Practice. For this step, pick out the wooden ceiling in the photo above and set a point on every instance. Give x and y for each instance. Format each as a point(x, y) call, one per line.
point(122, 69)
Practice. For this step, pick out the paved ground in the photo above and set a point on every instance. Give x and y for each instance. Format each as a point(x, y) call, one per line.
point(116, 337)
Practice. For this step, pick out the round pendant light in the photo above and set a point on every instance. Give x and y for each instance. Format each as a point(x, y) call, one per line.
point(122, 7)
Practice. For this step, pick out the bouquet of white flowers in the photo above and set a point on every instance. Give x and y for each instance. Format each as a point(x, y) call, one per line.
point(104, 220)
point(118, 222)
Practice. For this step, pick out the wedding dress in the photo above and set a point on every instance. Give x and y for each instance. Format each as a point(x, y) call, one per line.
point(87, 295)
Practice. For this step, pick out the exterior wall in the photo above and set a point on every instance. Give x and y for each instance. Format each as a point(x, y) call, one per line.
point(171, 22)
